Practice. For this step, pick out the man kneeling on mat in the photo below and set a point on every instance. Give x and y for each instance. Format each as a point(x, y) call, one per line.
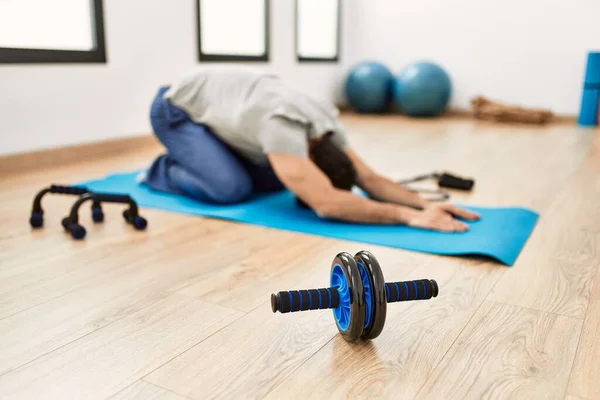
point(230, 133)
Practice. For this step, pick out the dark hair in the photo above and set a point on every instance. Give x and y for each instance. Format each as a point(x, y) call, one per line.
point(334, 163)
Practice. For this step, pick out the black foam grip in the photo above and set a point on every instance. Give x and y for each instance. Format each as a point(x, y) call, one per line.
point(304, 300)
point(112, 198)
point(295, 300)
point(314, 299)
point(68, 189)
point(454, 182)
point(284, 303)
point(422, 289)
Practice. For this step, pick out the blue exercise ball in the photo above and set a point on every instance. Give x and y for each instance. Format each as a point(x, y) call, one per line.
point(422, 89)
point(368, 87)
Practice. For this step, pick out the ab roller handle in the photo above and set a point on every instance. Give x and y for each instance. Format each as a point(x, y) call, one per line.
point(319, 299)
point(304, 300)
point(423, 289)
point(357, 294)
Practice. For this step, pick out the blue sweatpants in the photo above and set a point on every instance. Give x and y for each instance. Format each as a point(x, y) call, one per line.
point(199, 165)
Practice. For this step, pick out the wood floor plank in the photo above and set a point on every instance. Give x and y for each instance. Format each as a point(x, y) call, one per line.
point(29, 249)
point(103, 299)
point(486, 152)
point(245, 284)
point(110, 359)
point(115, 293)
point(65, 272)
point(415, 338)
point(97, 316)
point(508, 352)
point(571, 397)
point(585, 377)
point(248, 358)
point(142, 390)
point(533, 180)
point(556, 270)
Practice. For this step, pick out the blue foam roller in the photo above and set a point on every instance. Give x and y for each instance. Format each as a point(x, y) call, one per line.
point(592, 73)
point(590, 102)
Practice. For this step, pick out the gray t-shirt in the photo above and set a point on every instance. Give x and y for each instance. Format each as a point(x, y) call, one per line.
point(255, 113)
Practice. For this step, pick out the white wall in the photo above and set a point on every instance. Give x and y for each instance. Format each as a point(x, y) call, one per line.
point(529, 52)
point(149, 43)
point(525, 52)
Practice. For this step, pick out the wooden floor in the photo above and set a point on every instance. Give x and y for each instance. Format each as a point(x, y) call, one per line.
point(182, 311)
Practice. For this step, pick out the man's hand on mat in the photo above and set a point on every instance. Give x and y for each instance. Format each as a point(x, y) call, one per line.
point(455, 211)
point(441, 217)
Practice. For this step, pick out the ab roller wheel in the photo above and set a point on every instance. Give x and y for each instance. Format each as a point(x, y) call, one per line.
point(375, 294)
point(358, 296)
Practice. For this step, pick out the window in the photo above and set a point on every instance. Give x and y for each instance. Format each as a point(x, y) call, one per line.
point(233, 30)
point(51, 31)
point(318, 30)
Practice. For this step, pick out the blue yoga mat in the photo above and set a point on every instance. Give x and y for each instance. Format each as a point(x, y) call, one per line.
point(501, 233)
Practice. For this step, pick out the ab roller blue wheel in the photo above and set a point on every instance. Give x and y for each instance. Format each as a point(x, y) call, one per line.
point(358, 296)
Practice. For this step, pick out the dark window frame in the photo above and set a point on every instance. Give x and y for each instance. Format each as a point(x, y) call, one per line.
point(42, 56)
point(335, 59)
point(234, 58)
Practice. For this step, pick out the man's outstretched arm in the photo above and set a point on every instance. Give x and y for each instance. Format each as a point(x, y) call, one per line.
point(308, 182)
point(386, 190)
point(382, 188)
